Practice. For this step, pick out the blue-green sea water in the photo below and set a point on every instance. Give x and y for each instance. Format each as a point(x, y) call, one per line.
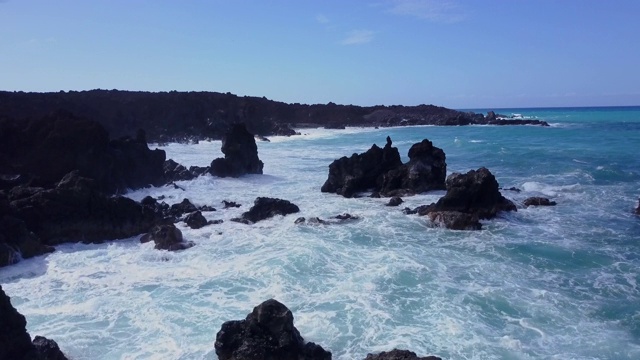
point(541, 283)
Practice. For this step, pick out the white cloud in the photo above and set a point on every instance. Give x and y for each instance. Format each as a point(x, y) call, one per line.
point(432, 10)
point(322, 19)
point(356, 37)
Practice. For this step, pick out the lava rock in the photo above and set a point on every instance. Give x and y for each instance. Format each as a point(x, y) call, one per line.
point(455, 220)
point(181, 208)
point(166, 237)
point(538, 201)
point(176, 172)
point(230, 204)
point(396, 354)
point(267, 333)
point(195, 220)
point(15, 341)
point(264, 208)
point(395, 201)
point(240, 154)
point(361, 172)
point(426, 170)
point(346, 216)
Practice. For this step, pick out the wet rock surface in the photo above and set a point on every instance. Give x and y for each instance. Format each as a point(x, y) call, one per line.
point(240, 154)
point(166, 237)
point(396, 354)
point(538, 201)
point(264, 208)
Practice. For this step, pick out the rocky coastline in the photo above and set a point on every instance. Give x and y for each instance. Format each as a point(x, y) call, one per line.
point(191, 116)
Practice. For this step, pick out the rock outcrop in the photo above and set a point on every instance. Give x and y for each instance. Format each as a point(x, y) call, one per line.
point(425, 171)
point(166, 237)
point(264, 208)
point(43, 150)
point(469, 198)
point(267, 333)
point(240, 154)
point(396, 354)
point(538, 201)
point(382, 171)
point(196, 220)
point(361, 172)
point(75, 210)
point(15, 341)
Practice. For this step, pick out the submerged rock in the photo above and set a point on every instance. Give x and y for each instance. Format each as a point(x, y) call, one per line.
point(395, 201)
point(538, 201)
point(240, 154)
point(267, 333)
point(264, 208)
point(396, 354)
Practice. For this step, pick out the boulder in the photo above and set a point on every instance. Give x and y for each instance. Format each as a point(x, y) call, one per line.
point(395, 201)
point(264, 208)
point(475, 194)
point(166, 237)
point(266, 333)
point(195, 220)
point(230, 204)
point(181, 208)
point(538, 201)
point(361, 172)
point(240, 154)
point(426, 170)
point(15, 341)
point(396, 354)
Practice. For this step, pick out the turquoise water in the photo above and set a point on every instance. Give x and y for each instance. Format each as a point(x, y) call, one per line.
point(541, 283)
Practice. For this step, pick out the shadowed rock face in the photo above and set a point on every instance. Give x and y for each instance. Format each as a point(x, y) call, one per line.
point(240, 154)
point(166, 237)
point(43, 150)
point(538, 201)
point(266, 333)
point(382, 171)
point(15, 341)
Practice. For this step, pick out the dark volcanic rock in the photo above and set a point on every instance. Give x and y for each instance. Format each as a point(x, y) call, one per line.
point(176, 172)
point(455, 220)
point(396, 354)
point(75, 210)
point(240, 154)
point(229, 204)
point(267, 333)
point(638, 208)
point(361, 172)
point(426, 170)
point(475, 194)
point(15, 341)
point(45, 149)
point(16, 241)
point(166, 237)
point(264, 208)
point(538, 201)
point(181, 208)
point(195, 220)
point(395, 201)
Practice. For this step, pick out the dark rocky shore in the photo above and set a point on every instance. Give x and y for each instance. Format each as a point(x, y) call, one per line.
point(189, 116)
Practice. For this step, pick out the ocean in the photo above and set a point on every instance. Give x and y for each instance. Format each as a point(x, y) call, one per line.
point(541, 283)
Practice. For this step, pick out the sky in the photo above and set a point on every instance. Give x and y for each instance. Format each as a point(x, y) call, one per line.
point(456, 53)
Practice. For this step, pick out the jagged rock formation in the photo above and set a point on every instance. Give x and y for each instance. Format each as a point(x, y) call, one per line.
point(15, 341)
point(41, 151)
point(267, 333)
point(240, 154)
point(264, 208)
point(469, 198)
point(382, 171)
point(184, 116)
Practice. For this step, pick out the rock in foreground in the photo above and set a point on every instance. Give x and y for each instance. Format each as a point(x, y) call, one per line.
point(266, 333)
point(15, 341)
point(166, 237)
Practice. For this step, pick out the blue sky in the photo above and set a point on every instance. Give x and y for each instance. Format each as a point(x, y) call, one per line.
point(454, 53)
